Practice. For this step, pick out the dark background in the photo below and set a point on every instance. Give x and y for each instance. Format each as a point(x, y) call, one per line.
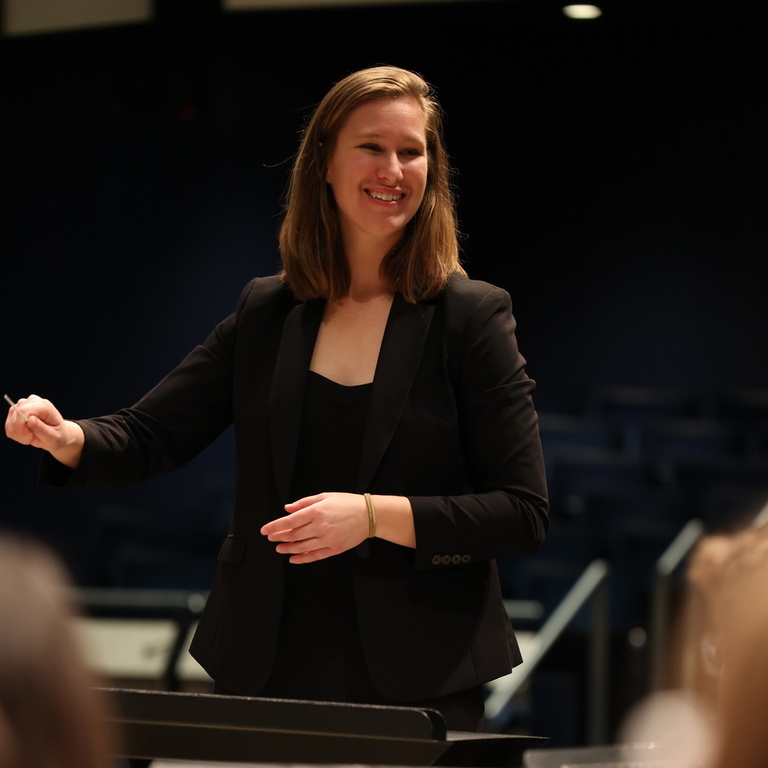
point(611, 177)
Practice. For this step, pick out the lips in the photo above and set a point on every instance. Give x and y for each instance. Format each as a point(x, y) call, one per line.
point(386, 197)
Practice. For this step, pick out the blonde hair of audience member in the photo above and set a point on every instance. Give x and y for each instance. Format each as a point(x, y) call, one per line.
point(713, 713)
point(51, 713)
point(717, 570)
point(743, 688)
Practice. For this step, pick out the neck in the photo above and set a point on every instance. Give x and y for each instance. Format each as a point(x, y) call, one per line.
point(364, 286)
point(365, 278)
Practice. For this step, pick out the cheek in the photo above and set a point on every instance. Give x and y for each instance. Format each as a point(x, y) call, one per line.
point(333, 170)
point(419, 179)
point(342, 174)
point(420, 185)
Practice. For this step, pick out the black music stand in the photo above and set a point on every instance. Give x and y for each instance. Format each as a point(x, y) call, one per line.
point(215, 728)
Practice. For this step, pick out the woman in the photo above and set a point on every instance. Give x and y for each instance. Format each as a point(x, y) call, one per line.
point(387, 444)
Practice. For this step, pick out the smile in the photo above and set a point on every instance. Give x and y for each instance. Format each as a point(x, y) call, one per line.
point(383, 196)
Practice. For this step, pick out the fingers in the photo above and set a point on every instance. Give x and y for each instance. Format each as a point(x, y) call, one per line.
point(285, 528)
point(44, 426)
point(319, 526)
point(43, 409)
point(30, 432)
point(307, 551)
point(301, 549)
point(26, 408)
point(300, 515)
point(311, 557)
point(293, 537)
point(15, 408)
point(19, 430)
point(307, 501)
point(19, 422)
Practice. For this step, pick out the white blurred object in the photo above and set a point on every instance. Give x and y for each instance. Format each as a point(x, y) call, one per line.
point(582, 11)
point(678, 723)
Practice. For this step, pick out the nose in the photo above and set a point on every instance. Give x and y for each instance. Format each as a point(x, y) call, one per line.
point(390, 168)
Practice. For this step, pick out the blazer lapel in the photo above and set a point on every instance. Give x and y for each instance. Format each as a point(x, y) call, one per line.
point(401, 352)
point(288, 384)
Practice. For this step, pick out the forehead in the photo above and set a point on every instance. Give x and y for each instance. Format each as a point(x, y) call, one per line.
point(402, 118)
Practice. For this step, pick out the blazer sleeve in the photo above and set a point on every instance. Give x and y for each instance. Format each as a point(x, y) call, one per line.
point(505, 511)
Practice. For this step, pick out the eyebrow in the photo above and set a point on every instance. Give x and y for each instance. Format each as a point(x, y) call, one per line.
point(372, 134)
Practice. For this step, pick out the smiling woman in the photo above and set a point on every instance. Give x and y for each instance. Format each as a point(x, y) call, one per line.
point(387, 444)
point(426, 252)
point(378, 174)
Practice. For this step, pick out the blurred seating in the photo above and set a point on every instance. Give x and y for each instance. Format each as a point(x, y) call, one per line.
point(147, 546)
point(725, 492)
point(756, 441)
point(632, 526)
point(626, 475)
point(612, 404)
point(746, 411)
point(566, 433)
point(664, 442)
point(574, 472)
point(742, 405)
point(547, 576)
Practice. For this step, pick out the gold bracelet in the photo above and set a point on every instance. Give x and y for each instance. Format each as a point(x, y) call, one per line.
point(371, 515)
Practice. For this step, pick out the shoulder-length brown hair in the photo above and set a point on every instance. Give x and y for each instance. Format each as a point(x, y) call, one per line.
point(311, 250)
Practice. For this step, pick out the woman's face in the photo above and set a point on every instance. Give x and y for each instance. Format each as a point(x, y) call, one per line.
point(378, 171)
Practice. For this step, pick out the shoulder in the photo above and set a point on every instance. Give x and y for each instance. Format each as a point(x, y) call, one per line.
point(265, 290)
point(475, 309)
point(479, 330)
point(265, 295)
point(465, 296)
point(263, 305)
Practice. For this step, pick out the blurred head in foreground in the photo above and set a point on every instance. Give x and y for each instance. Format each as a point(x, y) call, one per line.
point(51, 713)
point(713, 715)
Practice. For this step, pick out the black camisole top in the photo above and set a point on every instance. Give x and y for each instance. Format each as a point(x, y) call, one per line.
point(320, 655)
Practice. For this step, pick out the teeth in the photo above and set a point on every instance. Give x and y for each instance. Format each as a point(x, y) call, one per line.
point(382, 196)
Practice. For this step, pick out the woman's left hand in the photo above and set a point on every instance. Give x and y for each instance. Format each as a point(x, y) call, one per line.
point(319, 526)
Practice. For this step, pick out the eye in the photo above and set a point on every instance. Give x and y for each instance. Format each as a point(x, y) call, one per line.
point(371, 147)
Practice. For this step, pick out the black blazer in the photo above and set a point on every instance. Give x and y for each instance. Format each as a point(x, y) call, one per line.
point(451, 425)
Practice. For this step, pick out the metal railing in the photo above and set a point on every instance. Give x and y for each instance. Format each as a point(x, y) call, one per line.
point(592, 586)
point(667, 566)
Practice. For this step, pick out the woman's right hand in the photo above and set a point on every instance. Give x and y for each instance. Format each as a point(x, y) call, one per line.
point(45, 428)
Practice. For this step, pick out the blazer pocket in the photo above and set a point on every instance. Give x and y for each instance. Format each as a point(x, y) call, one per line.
point(232, 549)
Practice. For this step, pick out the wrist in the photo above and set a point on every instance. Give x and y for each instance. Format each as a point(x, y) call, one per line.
point(71, 448)
point(394, 519)
point(371, 515)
